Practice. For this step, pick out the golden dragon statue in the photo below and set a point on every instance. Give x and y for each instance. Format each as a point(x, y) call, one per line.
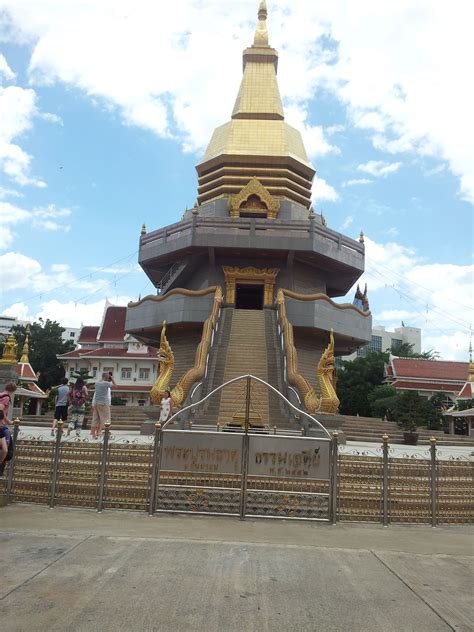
point(166, 357)
point(328, 401)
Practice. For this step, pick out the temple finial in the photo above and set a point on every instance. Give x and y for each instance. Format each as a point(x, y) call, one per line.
point(261, 34)
point(26, 350)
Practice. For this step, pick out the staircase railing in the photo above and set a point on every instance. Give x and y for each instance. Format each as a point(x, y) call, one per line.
point(167, 278)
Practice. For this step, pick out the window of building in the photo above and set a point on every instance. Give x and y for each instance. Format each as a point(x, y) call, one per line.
point(396, 342)
point(71, 372)
point(108, 369)
point(376, 344)
point(94, 371)
point(143, 374)
point(363, 351)
point(126, 373)
point(72, 334)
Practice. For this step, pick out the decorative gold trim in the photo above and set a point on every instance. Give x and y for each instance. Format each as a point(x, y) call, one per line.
point(254, 187)
point(178, 290)
point(324, 297)
point(328, 402)
point(234, 274)
point(166, 357)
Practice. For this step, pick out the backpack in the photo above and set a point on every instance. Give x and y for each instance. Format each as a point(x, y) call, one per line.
point(10, 446)
point(78, 397)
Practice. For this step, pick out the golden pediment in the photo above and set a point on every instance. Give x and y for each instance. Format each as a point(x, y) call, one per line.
point(254, 198)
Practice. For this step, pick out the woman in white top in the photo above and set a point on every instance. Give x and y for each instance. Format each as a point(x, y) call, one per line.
point(166, 407)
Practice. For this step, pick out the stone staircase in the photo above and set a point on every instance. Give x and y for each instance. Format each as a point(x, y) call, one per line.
point(245, 349)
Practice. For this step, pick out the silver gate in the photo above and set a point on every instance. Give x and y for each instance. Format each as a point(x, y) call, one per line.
point(247, 473)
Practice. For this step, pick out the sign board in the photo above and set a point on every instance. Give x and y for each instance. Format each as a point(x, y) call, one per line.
point(195, 451)
point(289, 457)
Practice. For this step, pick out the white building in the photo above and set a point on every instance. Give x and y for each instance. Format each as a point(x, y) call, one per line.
point(7, 322)
point(71, 333)
point(383, 340)
point(107, 348)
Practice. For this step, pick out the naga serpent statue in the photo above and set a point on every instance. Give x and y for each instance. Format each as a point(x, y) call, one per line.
point(328, 401)
point(166, 357)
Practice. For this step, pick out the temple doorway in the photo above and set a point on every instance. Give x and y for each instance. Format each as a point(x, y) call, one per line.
point(249, 296)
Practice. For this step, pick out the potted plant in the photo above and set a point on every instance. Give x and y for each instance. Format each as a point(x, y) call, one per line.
point(409, 427)
point(410, 411)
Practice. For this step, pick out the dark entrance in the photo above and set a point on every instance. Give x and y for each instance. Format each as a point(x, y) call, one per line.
point(249, 296)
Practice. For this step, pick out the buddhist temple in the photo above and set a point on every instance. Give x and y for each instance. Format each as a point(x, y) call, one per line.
point(246, 280)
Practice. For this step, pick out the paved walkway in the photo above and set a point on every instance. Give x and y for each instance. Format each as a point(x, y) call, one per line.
point(76, 570)
point(352, 447)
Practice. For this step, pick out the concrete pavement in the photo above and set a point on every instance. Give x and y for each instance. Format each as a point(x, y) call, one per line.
point(76, 570)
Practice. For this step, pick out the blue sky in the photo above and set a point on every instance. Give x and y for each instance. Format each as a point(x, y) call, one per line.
point(105, 108)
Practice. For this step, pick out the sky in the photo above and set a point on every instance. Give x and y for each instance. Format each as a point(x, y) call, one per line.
point(107, 105)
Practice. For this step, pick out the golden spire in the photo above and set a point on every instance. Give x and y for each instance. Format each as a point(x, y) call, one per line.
point(261, 34)
point(25, 351)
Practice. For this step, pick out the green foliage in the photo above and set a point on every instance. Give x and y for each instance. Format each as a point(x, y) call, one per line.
point(405, 350)
point(83, 374)
point(117, 401)
point(45, 344)
point(466, 404)
point(410, 410)
point(381, 400)
point(357, 381)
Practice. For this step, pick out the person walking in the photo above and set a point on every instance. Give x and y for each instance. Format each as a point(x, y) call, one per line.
point(101, 404)
point(6, 397)
point(62, 403)
point(166, 407)
point(5, 443)
point(77, 397)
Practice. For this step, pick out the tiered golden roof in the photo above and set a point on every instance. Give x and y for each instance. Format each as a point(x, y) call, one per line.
point(257, 142)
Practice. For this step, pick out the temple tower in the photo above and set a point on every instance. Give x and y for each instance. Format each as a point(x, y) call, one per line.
point(247, 277)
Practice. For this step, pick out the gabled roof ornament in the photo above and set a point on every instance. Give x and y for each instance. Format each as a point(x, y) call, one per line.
point(261, 34)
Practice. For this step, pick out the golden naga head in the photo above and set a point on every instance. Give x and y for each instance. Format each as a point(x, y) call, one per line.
point(165, 354)
point(327, 362)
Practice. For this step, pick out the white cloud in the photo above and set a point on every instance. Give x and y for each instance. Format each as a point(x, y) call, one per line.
point(379, 168)
point(347, 222)
point(437, 297)
point(41, 217)
point(356, 182)
point(17, 270)
point(321, 191)
point(5, 69)
point(156, 63)
point(17, 110)
point(68, 314)
point(313, 135)
point(334, 129)
point(4, 193)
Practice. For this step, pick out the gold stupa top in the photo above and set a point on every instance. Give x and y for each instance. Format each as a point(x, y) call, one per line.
point(257, 142)
point(261, 34)
point(25, 351)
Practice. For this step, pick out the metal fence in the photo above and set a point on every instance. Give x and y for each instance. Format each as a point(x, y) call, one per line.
point(243, 474)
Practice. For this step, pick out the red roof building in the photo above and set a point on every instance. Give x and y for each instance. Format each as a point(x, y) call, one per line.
point(427, 377)
point(107, 348)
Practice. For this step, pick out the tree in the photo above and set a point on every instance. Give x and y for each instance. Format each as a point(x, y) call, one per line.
point(411, 410)
point(381, 400)
point(405, 350)
point(357, 381)
point(83, 374)
point(45, 344)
